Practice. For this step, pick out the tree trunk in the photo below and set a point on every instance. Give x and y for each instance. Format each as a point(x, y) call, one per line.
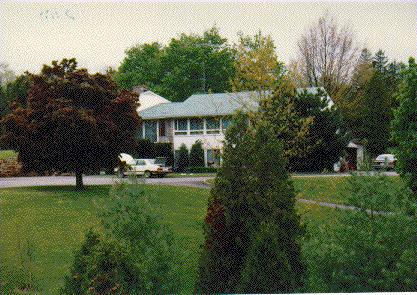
point(79, 180)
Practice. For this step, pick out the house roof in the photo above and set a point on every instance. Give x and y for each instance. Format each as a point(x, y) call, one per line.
point(207, 105)
point(149, 99)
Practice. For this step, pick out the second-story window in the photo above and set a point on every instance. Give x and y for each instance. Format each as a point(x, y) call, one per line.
point(196, 126)
point(181, 126)
point(212, 125)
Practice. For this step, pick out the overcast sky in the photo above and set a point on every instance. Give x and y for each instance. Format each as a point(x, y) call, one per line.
point(97, 34)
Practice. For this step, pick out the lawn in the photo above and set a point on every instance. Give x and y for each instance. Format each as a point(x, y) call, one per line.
point(324, 188)
point(55, 219)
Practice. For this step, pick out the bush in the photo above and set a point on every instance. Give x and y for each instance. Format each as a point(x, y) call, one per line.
point(150, 150)
point(202, 170)
point(132, 253)
point(366, 251)
point(252, 233)
point(181, 159)
point(196, 154)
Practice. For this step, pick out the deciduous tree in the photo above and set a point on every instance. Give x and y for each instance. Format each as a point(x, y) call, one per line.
point(259, 70)
point(188, 64)
point(74, 121)
point(327, 54)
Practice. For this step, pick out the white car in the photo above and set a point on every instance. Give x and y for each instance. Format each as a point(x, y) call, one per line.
point(385, 161)
point(145, 167)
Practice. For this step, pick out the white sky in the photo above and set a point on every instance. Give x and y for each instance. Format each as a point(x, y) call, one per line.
point(97, 34)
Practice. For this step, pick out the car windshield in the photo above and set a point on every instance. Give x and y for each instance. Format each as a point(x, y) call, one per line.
point(383, 157)
point(160, 161)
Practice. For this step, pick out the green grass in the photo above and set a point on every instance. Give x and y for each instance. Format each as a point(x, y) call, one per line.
point(7, 154)
point(55, 220)
point(323, 188)
point(328, 189)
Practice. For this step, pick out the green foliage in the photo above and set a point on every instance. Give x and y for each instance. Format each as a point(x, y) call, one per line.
point(196, 155)
point(135, 254)
point(327, 137)
point(187, 65)
point(404, 127)
point(181, 159)
point(257, 66)
point(251, 209)
point(150, 150)
point(366, 251)
point(368, 107)
point(288, 123)
point(74, 121)
point(141, 66)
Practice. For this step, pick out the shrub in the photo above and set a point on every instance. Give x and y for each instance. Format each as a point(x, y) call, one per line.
point(251, 229)
point(366, 250)
point(132, 253)
point(196, 155)
point(181, 159)
point(150, 150)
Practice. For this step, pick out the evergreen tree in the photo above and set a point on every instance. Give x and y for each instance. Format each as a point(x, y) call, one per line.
point(181, 159)
point(327, 137)
point(197, 155)
point(369, 104)
point(404, 127)
point(251, 229)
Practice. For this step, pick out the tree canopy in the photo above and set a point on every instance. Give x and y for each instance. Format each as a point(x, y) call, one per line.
point(188, 64)
point(73, 121)
point(327, 54)
point(404, 126)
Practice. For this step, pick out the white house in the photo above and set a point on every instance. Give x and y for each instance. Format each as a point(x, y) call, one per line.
point(200, 117)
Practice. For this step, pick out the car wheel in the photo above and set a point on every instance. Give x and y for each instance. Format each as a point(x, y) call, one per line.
point(147, 174)
point(121, 174)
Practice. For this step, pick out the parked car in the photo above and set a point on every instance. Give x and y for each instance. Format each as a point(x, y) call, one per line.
point(385, 161)
point(162, 162)
point(145, 167)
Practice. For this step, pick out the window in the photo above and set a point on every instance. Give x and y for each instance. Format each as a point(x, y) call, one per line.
point(140, 162)
point(196, 126)
point(213, 157)
point(212, 125)
point(226, 123)
point(162, 128)
point(150, 131)
point(181, 126)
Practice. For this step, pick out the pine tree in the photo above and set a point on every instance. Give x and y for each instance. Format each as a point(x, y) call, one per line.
point(181, 159)
point(251, 226)
point(196, 155)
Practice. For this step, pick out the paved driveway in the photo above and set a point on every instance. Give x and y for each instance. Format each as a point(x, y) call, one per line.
point(97, 180)
point(109, 179)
